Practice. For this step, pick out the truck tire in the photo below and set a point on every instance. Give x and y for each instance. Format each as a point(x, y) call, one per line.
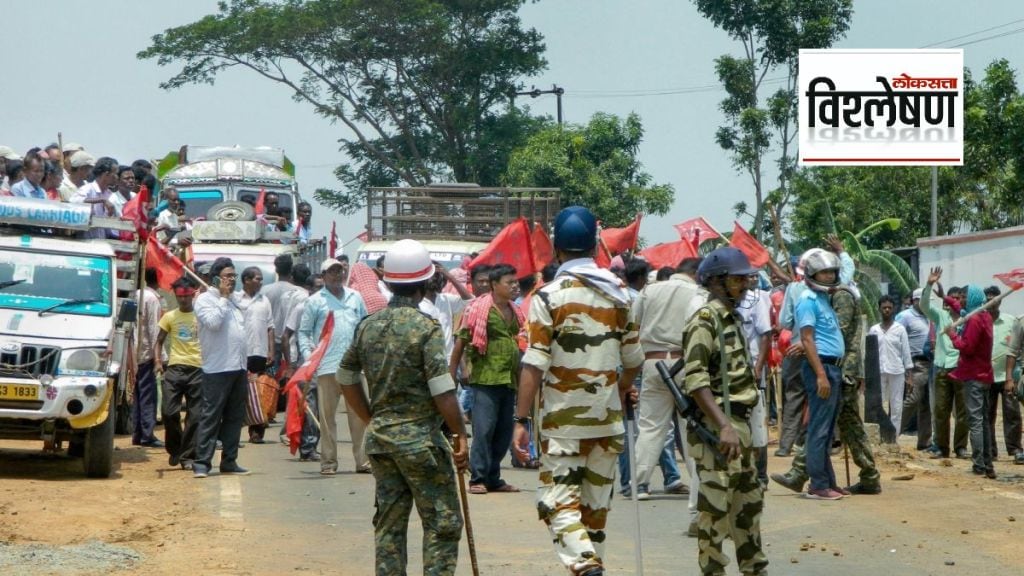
point(98, 458)
point(231, 211)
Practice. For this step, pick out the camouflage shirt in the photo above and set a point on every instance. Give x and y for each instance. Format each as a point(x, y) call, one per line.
point(848, 314)
point(703, 356)
point(401, 352)
point(579, 337)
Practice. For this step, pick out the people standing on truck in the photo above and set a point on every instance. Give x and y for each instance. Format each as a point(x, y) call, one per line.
point(124, 188)
point(97, 192)
point(304, 221)
point(348, 310)
point(29, 187)
point(144, 408)
point(15, 171)
point(183, 376)
point(78, 166)
point(167, 223)
point(52, 175)
point(259, 333)
point(222, 340)
point(580, 335)
point(411, 393)
point(7, 154)
point(488, 336)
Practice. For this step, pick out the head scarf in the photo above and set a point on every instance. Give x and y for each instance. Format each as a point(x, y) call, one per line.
point(975, 298)
point(363, 280)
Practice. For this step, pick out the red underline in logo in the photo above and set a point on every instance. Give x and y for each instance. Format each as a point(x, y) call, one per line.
point(881, 159)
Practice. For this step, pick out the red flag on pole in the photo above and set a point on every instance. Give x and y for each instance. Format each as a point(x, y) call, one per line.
point(296, 401)
point(364, 237)
point(543, 251)
point(618, 240)
point(1014, 279)
point(746, 243)
point(602, 257)
point(135, 210)
point(168, 267)
point(334, 239)
point(668, 254)
point(511, 246)
point(261, 208)
point(696, 230)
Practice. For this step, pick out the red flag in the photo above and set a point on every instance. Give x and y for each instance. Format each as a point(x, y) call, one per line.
point(1014, 279)
point(261, 208)
point(602, 257)
point(511, 246)
point(168, 266)
point(135, 210)
point(296, 401)
point(669, 253)
point(334, 239)
point(696, 230)
point(543, 251)
point(746, 243)
point(618, 240)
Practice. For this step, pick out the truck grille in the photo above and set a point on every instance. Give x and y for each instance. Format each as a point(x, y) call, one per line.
point(30, 360)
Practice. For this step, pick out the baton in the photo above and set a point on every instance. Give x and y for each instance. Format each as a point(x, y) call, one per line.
point(633, 484)
point(465, 514)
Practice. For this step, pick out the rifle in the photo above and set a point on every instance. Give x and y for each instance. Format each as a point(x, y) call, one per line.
point(687, 409)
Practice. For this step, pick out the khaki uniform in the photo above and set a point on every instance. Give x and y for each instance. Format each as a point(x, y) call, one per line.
point(401, 352)
point(580, 334)
point(851, 427)
point(731, 498)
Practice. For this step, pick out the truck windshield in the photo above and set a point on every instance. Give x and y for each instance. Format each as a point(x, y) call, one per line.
point(37, 281)
point(198, 201)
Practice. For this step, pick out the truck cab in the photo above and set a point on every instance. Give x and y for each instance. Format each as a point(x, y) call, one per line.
point(66, 318)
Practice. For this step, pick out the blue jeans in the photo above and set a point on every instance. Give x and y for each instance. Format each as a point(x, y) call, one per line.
point(667, 461)
point(493, 408)
point(822, 425)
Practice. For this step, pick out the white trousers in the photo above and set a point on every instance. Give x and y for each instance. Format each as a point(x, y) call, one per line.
point(892, 392)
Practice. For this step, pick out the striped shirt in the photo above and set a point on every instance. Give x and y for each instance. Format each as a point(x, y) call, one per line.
point(579, 337)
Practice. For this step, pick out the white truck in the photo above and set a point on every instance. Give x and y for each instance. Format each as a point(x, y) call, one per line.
point(973, 258)
point(67, 309)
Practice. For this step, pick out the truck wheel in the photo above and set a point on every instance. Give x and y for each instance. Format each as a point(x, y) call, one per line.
point(231, 211)
point(98, 458)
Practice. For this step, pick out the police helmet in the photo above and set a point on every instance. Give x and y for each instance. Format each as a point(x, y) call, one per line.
point(575, 229)
point(407, 262)
point(724, 261)
point(818, 260)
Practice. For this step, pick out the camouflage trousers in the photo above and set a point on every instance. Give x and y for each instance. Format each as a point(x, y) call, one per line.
point(851, 433)
point(426, 478)
point(729, 504)
point(577, 479)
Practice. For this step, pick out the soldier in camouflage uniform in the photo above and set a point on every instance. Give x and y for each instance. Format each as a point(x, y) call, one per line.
point(851, 427)
point(401, 351)
point(580, 335)
point(720, 379)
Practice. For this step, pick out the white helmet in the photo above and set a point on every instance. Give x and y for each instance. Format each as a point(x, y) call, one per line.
point(407, 262)
point(817, 260)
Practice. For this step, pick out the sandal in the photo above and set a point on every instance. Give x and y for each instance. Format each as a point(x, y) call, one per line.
point(505, 488)
point(477, 489)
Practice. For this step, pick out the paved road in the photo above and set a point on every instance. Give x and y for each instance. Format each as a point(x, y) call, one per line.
point(299, 521)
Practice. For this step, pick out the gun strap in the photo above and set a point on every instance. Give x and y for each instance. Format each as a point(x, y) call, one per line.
point(724, 365)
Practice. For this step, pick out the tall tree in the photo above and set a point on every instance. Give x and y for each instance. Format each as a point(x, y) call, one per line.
point(771, 33)
point(595, 166)
point(423, 86)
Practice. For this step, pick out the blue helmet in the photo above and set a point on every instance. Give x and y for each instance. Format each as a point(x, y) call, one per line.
point(575, 229)
point(724, 261)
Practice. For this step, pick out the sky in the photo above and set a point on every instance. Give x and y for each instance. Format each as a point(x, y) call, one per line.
point(72, 69)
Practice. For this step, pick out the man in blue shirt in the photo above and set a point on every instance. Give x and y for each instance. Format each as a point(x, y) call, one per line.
point(29, 186)
point(823, 349)
point(348, 309)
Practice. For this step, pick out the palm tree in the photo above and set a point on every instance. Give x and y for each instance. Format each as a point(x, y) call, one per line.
point(880, 261)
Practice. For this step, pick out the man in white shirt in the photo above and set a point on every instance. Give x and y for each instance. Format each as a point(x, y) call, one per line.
point(79, 166)
point(97, 193)
point(444, 307)
point(167, 223)
point(894, 359)
point(259, 332)
point(225, 386)
point(756, 311)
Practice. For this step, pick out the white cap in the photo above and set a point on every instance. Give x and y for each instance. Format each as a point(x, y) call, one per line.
point(408, 262)
point(328, 264)
point(73, 147)
point(917, 294)
point(8, 153)
point(81, 158)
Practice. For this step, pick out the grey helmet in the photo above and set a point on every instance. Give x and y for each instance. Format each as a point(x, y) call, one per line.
point(818, 260)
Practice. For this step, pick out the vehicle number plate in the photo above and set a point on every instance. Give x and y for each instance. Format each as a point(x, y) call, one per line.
point(19, 392)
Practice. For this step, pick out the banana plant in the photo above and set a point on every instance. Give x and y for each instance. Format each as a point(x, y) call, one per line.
point(889, 264)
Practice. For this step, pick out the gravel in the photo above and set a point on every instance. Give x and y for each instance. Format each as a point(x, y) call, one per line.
point(80, 559)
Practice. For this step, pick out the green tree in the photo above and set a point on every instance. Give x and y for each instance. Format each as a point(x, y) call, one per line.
point(422, 86)
point(881, 262)
point(771, 32)
point(595, 166)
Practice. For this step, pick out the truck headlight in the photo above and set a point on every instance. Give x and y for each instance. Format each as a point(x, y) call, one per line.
point(83, 361)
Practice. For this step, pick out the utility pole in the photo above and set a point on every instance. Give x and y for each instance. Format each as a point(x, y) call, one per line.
point(935, 201)
point(555, 89)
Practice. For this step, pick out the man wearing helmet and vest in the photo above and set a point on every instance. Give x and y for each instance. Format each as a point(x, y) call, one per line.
point(823, 344)
point(580, 335)
point(720, 379)
point(401, 351)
